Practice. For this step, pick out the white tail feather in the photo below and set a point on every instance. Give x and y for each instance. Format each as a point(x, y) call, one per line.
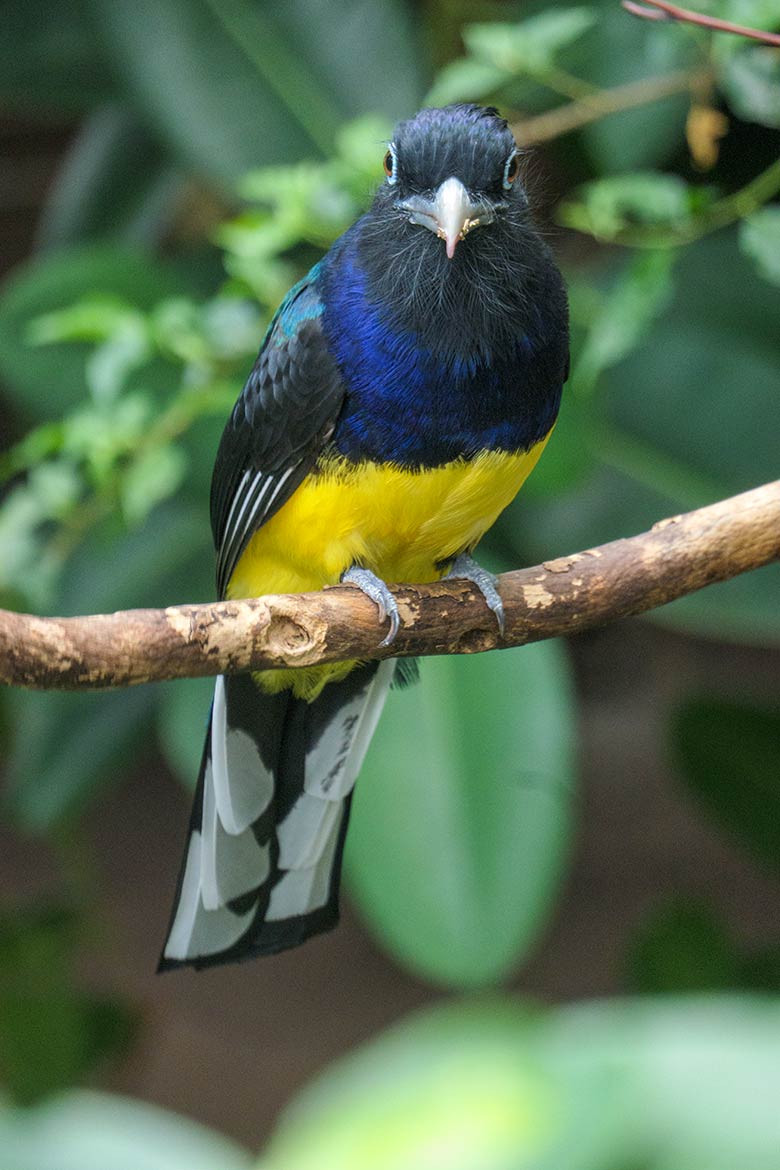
point(302, 890)
point(333, 763)
point(225, 859)
point(196, 932)
point(243, 786)
point(306, 830)
point(231, 864)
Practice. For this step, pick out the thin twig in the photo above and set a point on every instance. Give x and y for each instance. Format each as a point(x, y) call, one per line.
point(677, 556)
point(563, 119)
point(661, 10)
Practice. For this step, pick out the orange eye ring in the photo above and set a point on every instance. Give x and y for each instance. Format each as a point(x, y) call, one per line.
point(389, 164)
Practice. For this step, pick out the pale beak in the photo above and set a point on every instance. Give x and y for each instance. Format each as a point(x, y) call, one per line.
point(451, 213)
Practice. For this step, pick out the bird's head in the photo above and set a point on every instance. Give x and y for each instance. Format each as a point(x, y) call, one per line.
point(451, 171)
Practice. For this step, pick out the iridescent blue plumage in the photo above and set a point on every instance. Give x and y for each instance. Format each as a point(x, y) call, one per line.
point(302, 303)
point(412, 404)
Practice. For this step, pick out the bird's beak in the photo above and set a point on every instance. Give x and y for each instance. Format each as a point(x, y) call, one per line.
point(451, 213)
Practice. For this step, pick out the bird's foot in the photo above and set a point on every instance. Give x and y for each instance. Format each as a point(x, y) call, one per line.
point(375, 588)
point(466, 567)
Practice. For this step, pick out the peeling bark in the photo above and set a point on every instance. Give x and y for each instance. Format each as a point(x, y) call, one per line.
point(677, 556)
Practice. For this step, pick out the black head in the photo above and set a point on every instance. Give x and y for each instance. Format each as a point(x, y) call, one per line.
point(451, 170)
point(471, 143)
point(469, 280)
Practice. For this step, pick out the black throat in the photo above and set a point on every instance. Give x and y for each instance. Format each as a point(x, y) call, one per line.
point(500, 287)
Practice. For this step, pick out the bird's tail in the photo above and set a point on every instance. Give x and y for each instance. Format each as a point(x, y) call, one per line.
point(262, 866)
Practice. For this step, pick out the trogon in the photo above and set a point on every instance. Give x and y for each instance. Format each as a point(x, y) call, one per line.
point(404, 390)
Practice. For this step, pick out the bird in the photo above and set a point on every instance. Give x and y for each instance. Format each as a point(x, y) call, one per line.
point(403, 391)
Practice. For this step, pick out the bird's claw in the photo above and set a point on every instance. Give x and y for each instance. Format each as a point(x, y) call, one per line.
point(376, 589)
point(467, 568)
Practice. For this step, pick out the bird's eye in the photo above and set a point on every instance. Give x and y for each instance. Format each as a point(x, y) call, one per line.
point(389, 165)
point(511, 170)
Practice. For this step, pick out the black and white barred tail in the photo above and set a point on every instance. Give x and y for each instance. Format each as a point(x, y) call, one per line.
point(262, 866)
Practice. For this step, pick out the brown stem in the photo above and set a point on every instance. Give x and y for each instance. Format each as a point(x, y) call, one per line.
point(661, 10)
point(599, 105)
point(677, 556)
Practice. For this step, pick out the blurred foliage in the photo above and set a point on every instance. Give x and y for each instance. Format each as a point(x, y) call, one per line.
point(685, 1084)
point(760, 239)
point(219, 153)
point(684, 946)
point(83, 1130)
point(51, 1034)
point(468, 770)
point(729, 757)
point(492, 1086)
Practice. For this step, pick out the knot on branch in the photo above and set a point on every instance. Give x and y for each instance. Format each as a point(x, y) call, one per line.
point(290, 640)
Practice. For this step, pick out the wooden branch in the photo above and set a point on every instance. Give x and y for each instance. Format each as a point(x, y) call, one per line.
point(571, 116)
point(677, 556)
point(663, 10)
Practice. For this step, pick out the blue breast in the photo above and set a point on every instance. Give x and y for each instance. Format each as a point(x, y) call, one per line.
point(416, 408)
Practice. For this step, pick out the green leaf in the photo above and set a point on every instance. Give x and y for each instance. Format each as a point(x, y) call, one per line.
point(670, 1084)
point(95, 318)
point(29, 557)
point(110, 365)
point(125, 570)
point(699, 1076)
point(209, 73)
point(115, 183)
point(729, 757)
point(50, 1033)
point(42, 1045)
point(759, 237)
point(46, 380)
point(531, 46)
point(199, 443)
point(369, 56)
point(100, 1131)
point(124, 342)
point(467, 79)
point(682, 947)
point(751, 82)
point(635, 300)
point(706, 372)
point(461, 1087)
point(212, 341)
point(39, 444)
point(608, 206)
point(201, 87)
point(462, 813)
point(308, 203)
point(68, 745)
point(153, 476)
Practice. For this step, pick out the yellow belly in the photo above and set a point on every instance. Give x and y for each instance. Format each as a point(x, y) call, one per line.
point(403, 525)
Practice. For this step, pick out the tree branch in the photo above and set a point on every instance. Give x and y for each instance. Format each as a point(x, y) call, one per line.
point(594, 107)
point(677, 556)
point(662, 10)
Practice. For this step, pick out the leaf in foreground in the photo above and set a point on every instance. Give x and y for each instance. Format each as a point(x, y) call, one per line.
point(462, 814)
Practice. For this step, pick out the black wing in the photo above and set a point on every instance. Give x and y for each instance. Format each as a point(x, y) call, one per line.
point(279, 425)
